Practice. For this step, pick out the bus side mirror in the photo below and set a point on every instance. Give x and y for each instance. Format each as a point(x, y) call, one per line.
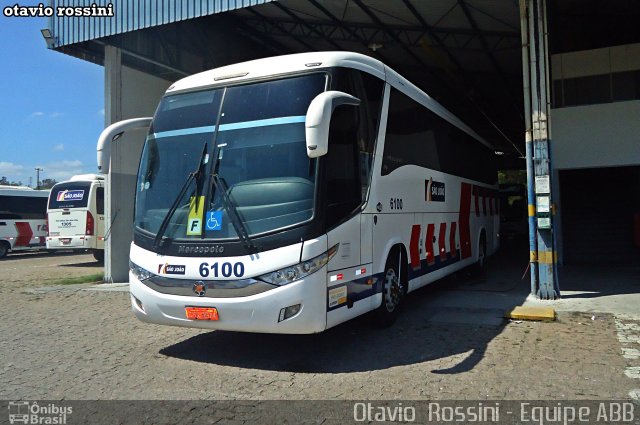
point(110, 134)
point(318, 120)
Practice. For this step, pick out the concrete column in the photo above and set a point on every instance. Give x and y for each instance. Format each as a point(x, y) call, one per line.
point(128, 94)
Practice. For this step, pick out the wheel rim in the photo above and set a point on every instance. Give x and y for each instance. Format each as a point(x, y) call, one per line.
point(393, 290)
point(481, 255)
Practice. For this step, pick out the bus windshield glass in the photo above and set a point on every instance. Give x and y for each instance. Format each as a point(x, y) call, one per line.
point(252, 138)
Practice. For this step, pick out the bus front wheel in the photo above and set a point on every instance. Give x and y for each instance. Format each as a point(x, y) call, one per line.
point(4, 249)
point(393, 289)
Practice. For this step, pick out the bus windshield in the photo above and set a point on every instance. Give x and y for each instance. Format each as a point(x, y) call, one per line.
point(252, 138)
point(69, 195)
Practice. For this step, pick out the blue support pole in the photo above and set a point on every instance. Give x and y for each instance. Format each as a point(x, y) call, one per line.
point(548, 287)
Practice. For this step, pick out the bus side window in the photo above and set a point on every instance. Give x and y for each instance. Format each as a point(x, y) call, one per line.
point(369, 90)
point(100, 200)
point(342, 176)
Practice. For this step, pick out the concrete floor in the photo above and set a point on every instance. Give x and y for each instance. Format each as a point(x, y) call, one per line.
point(613, 289)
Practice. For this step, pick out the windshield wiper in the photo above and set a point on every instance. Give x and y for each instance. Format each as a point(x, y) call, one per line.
point(229, 204)
point(232, 208)
point(196, 174)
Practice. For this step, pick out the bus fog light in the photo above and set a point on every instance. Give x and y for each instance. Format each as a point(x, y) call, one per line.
point(288, 312)
point(138, 303)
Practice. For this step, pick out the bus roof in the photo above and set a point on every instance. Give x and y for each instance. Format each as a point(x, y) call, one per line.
point(23, 191)
point(85, 177)
point(278, 65)
point(299, 62)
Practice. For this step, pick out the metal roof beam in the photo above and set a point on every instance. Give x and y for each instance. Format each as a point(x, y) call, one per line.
point(341, 25)
point(354, 26)
point(310, 27)
point(432, 34)
point(274, 45)
point(489, 53)
point(283, 30)
point(392, 34)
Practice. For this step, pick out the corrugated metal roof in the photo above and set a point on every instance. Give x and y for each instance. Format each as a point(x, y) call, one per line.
point(131, 15)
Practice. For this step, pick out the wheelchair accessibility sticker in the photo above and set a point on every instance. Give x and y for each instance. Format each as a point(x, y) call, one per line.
point(214, 220)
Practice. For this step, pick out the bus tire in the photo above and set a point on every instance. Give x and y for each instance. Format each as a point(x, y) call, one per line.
point(98, 254)
point(4, 249)
point(480, 267)
point(394, 288)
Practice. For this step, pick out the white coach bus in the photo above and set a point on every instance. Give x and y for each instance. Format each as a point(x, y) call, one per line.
point(293, 193)
point(76, 215)
point(23, 224)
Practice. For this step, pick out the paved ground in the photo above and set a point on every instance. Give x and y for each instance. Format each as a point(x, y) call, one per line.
point(77, 344)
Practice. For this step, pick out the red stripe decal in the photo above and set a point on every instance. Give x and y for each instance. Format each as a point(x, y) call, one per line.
point(24, 234)
point(484, 201)
point(441, 241)
point(452, 240)
point(476, 189)
point(428, 243)
point(414, 246)
point(463, 219)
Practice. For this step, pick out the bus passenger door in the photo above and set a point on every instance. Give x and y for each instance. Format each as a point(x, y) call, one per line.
point(348, 236)
point(100, 217)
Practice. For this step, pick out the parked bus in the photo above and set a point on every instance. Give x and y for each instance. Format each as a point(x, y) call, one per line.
point(23, 224)
point(290, 194)
point(76, 215)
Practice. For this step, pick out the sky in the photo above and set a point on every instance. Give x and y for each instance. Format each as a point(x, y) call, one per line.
point(51, 105)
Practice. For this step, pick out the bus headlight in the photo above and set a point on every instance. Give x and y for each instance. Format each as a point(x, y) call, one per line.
point(140, 273)
point(300, 270)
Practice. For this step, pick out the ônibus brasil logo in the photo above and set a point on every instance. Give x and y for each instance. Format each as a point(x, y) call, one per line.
point(70, 195)
point(32, 413)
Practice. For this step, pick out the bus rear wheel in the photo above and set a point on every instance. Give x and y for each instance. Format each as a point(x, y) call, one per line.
point(393, 291)
point(4, 249)
point(480, 267)
point(98, 254)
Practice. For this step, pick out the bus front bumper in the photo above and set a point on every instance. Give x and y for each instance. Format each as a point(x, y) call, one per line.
point(255, 313)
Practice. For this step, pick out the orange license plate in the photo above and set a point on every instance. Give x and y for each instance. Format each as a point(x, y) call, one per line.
point(202, 313)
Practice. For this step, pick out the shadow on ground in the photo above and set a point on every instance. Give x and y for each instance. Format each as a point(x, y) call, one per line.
point(90, 263)
point(455, 316)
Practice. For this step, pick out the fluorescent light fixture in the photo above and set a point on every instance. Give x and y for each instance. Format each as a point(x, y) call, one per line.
point(48, 37)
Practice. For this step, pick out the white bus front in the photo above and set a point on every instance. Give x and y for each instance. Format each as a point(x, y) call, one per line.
point(231, 213)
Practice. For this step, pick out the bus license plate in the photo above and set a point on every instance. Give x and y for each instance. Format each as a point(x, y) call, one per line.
point(65, 241)
point(202, 313)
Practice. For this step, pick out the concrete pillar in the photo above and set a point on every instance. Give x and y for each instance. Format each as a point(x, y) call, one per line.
point(128, 94)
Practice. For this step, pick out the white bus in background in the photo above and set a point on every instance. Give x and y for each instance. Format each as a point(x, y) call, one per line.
point(76, 215)
point(23, 224)
point(290, 194)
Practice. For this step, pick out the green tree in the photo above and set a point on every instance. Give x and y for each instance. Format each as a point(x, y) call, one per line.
point(47, 183)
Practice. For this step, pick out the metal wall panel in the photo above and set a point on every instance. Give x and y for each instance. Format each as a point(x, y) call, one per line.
point(131, 15)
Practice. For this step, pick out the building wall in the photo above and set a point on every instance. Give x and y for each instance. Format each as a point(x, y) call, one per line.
point(596, 105)
point(128, 94)
point(603, 135)
point(595, 123)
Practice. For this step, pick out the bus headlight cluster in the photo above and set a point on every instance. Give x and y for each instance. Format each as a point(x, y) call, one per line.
point(140, 273)
point(300, 270)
